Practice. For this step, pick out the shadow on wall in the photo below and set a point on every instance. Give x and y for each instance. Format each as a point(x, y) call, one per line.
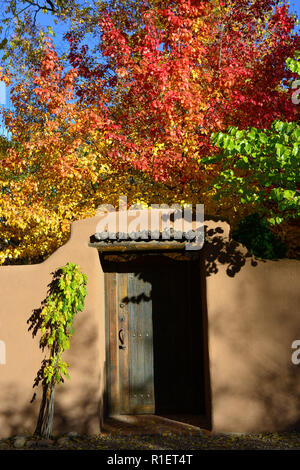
point(13, 417)
point(277, 406)
point(221, 250)
point(256, 386)
point(77, 401)
point(77, 414)
point(272, 399)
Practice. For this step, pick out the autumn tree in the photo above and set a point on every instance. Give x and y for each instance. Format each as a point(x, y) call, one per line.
point(262, 166)
point(136, 111)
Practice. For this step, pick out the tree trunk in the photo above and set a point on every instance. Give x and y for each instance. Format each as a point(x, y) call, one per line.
point(45, 419)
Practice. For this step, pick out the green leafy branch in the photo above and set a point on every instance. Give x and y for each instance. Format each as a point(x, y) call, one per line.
point(261, 166)
point(54, 320)
point(66, 298)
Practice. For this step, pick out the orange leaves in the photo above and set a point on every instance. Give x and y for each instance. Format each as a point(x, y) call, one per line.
point(50, 169)
point(147, 109)
point(54, 87)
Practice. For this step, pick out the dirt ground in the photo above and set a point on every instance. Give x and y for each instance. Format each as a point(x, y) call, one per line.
point(266, 441)
point(154, 433)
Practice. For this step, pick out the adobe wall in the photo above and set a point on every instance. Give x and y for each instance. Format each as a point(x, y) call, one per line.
point(253, 318)
point(78, 400)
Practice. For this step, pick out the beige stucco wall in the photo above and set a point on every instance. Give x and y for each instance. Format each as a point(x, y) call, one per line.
point(253, 318)
point(78, 401)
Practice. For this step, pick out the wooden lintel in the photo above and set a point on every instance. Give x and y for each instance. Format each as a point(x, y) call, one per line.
point(138, 246)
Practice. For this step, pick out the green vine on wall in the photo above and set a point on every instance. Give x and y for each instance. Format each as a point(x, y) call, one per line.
point(54, 320)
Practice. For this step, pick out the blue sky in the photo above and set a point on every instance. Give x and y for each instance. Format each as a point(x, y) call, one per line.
point(60, 29)
point(295, 6)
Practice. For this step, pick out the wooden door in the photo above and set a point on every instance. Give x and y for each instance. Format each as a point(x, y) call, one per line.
point(131, 344)
point(154, 326)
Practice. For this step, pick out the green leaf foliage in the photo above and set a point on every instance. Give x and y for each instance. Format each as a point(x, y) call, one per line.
point(255, 234)
point(261, 166)
point(66, 298)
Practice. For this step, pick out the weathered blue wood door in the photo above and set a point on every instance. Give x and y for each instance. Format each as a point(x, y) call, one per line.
point(131, 344)
point(140, 345)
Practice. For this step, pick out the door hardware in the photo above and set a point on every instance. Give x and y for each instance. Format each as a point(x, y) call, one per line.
point(121, 338)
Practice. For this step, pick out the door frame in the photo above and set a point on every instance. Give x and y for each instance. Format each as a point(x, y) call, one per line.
point(112, 400)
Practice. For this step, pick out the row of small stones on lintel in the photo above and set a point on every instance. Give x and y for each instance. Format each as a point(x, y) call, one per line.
point(146, 235)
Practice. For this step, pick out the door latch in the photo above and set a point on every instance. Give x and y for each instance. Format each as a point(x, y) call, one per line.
point(121, 339)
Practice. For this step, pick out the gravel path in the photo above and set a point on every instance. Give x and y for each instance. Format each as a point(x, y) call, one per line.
point(165, 441)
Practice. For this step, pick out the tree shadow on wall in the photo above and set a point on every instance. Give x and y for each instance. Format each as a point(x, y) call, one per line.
point(81, 414)
point(272, 393)
point(16, 419)
point(218, 250)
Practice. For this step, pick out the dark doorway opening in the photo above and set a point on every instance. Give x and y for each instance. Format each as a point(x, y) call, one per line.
point(177, 340)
